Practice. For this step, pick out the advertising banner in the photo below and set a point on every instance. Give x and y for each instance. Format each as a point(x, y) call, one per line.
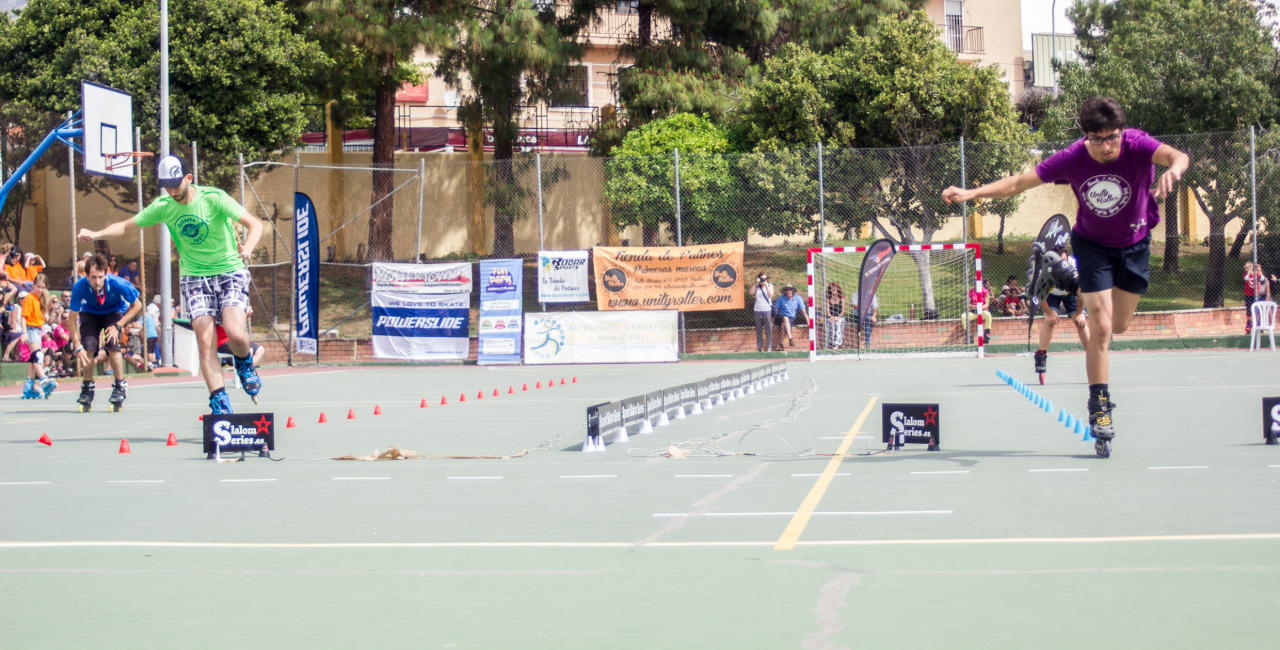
point(562, 276)
point(420, 326)
point(243, 432)
point(596, 337)
point(683, 278)
point(306, 280)
point(501, 298)
point(454, 277)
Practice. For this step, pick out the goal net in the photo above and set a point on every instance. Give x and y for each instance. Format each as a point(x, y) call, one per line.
point(919, 308)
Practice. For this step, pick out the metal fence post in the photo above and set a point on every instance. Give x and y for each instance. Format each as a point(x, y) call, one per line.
point(422, 189)
point(195, 165)
point(71, 177)
point(537, 170)
point(1253, 191)
point(679, 237)
point(964, 236)
point(822, 213)
point(142, 249)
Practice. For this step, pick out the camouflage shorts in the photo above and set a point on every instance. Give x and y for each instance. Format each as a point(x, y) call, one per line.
point(209, 295)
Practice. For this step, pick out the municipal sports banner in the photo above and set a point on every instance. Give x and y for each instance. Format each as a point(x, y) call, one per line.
point(306, 282)
point(562, 276)
point(501, 297)
point(599, 337)
point(684, 278)
point(420, 326)
point(422, 278)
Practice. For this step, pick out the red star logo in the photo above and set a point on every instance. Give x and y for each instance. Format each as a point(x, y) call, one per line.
point(264, 425)
point(930, 415)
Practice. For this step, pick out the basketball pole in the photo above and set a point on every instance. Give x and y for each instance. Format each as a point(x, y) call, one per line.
point(166, 264)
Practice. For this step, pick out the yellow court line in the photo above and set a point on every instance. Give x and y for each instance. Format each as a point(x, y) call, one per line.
point(801, 519)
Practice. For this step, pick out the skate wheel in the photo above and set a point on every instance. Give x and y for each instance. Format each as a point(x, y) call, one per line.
point(254, 398)
point(1042, 379)
point(115, 408)
point(80, 408)
point(1102, 448)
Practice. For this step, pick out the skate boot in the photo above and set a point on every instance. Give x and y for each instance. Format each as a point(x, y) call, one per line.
point(1100, 425)
point(219, 403)
point(85, 401)
point(117, 397)
point(248, 377)
point(29, 390)
point(1042, 363)
point(47, 386)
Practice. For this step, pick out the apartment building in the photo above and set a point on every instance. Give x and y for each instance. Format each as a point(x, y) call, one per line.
point(984, 31)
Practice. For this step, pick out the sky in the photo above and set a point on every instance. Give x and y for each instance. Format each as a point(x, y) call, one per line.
point(1036, 15)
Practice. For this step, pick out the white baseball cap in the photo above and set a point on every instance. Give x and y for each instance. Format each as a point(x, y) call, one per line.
point(171, 170)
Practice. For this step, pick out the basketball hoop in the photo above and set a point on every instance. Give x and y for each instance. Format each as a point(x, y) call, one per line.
point(125, 159)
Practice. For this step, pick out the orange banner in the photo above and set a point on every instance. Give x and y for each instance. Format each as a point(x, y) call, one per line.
point(684, 278)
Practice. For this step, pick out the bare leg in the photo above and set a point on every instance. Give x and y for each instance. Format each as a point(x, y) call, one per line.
point(207, 344)
point(237, 328)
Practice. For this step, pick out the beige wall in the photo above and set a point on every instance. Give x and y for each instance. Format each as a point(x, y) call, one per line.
point(1001, 23)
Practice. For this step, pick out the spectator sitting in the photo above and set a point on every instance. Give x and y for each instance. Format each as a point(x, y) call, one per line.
point(1256, 288)
point(787, 310)
point(1012, 302)
point(1012, 283)
point(130, 273)
point(8, 290)
point(12, 330)
point(980, 304)
point(113, 267)
point(133, 345)
point(16, 271)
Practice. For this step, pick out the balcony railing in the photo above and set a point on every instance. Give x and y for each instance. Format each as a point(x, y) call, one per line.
point(963, 39)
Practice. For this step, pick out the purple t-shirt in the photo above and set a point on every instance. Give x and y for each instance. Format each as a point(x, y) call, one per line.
point(1115, 203)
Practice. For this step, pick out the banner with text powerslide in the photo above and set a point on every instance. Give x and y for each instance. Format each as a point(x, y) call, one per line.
point(683, 278)
point(239, 432)
point(306, 280)
point(501, 293)
point(421, 312)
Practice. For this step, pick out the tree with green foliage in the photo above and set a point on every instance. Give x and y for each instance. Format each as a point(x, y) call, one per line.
point(824, 25)
point(389, 32)
point(236, 80)
point(1181, 67)
point(514, 54)
point(640, 181)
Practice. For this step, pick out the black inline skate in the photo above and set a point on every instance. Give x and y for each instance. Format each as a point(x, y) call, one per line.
point(1100, 424)
point(1042, 364)
point(85, 401)
point(117, 397)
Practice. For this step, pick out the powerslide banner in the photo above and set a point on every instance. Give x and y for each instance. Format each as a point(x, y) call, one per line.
point(598, 337)
point(306, 280)
point(420, 326)
point(683, 278)
point(422, 278)
point(562, 276)
point(501, 297)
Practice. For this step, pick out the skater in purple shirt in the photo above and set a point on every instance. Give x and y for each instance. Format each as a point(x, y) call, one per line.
point(1112, 172)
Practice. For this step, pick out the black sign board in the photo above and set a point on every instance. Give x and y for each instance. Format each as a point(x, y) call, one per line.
point(1270, 419)
point(653, 405)
point(703, 389)
point(243, 432)
point(688, 397)
point(910, 423)
point(633, 413)
point(671, 400)
point(604, 419)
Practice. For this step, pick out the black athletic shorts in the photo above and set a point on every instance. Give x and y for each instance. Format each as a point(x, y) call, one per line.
point(225, 348)
point(1103, 267)
point(91, 326)
point(1065, 305)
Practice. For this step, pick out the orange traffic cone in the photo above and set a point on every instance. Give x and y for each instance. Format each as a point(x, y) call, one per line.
point(524, 386)
point(44, 440)
point(124, 445)
point(443, 400)
point(511, 390)
point(323, 419)
point(575, 379)
point(562, 381)
point(462, 397)
point(551, 383)
point(351, 414)
point(172, 441)
point(495, 392)
point(377, 410)
point(539, 385)
point(290, 424)
point(423, 404)
point(480, 395)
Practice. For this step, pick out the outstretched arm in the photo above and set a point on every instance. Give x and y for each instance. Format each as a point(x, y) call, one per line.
point(1176, 161)
point(253, 232)
point(1001, 189)
point(114, 230)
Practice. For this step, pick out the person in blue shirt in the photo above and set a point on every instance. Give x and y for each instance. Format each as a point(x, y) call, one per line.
point(785, 311)
point(153, 334)
point(101, 305)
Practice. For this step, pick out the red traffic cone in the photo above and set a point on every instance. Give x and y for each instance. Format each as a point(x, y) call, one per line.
point(124, 445)
point(511, 390)
point(575, 379)
point(562, 381)
point(462, 397)
point(44, 440)
point(443, 400)
point(351, 414)
point(290, 424)
point(423, 404)
point(323, 419)
point(551, 383)
point(377, 410)
point(200, 418)
point(495, 392)
point(539, 385)
point(524, 386)
point(172, 441)
point(480, 395)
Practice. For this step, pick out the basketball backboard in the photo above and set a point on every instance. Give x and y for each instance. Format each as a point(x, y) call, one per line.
point(108, 129)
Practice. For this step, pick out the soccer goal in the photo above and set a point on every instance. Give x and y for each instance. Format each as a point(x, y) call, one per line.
point(917, 309)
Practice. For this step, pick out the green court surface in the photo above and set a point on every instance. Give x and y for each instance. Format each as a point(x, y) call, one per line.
point(1013, 535)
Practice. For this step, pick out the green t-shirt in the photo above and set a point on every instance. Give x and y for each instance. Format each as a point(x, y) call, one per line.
point(202, 230)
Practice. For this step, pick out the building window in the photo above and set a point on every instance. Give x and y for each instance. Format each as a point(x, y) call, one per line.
point(953, 25)
point(626, 6)
point(572, 90)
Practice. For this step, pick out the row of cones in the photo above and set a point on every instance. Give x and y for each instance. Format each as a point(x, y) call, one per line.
point(1076, 426)
point(444, 401)
point(124, 442)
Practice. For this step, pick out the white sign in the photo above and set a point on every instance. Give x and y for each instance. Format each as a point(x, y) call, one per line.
point(601, 337)
point(562, 276)
point(422, 278)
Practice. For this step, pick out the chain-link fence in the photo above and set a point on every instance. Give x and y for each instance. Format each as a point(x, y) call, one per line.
point(778, 204)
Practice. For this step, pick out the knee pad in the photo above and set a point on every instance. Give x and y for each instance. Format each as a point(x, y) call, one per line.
point(37, 357)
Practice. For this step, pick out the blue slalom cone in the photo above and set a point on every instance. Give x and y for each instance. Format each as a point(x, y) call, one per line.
point(1083, 430)
point(1070, 422)
point(1062, 415)
point(1048, 406)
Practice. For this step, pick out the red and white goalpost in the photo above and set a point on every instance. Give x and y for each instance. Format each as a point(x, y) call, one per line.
point(922, 303)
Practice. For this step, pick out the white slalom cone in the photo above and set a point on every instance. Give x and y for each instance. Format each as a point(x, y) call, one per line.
point(719, 399)
point(741, 392)
point(645, 426)
point(621, 436)
point(663, 420)
point(697, 408)
point(733, 395)
point(751, 388)
point(680, 412)
point(708, 407)
point(593, 443)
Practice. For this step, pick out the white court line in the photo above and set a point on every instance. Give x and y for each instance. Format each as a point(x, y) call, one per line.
point(819, 474)
point(27, 483)
point(246, 480)
point(840, 437)
point(362, 478)
point(1182, 467)
point(589, 476)
point(1273, 466)
point(944, 471)
point(704, 475)
point(1061, 469)
point(473, 477)
point(140, 481)
point(788, 514)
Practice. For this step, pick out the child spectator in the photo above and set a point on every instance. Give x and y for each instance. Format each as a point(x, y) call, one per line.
point(1012, 302)
point(1256, 288)
point(980, 304)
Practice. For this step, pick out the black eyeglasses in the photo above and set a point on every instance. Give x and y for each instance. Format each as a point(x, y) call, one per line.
point(1098, 142)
